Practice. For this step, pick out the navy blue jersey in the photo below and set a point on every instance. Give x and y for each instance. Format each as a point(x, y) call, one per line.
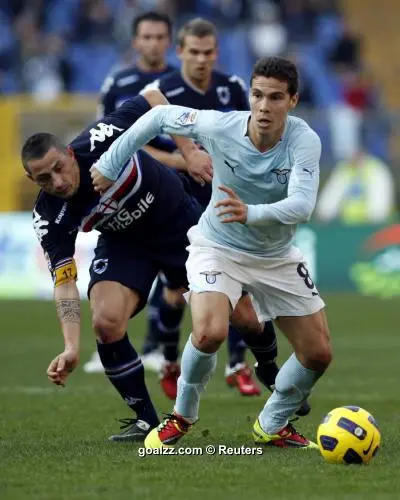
point(147, 208)
point(226, 93)
point(123, 85)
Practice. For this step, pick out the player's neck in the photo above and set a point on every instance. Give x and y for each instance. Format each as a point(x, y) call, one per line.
point(150, 68)
point(198, 85)
point(264, 142)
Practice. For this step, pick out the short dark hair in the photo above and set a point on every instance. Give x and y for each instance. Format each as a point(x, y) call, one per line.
point(37, 145)
point(154, 17)
point(279, 68)
point(196, 27)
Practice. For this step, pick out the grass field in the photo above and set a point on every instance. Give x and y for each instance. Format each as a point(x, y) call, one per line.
point(53, 442)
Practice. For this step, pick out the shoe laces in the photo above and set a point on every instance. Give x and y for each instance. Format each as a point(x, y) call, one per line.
point(127, 422)
point(169, 419)
point(292, 429)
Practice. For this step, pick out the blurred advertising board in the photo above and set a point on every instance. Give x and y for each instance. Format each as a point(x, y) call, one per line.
point(363, 259)
point(23, 268)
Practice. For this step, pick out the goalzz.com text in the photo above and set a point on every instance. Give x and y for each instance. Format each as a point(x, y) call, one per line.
point(210, 449)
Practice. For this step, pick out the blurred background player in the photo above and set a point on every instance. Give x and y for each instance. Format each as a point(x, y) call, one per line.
point(198, 85)
point(151, 38)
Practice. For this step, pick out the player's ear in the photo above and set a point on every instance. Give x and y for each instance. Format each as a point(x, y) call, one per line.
point(179, 50)
point(294, 99)
point(70, 152)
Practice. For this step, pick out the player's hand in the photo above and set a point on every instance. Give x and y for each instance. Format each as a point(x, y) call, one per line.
point(199, 166)
point(100, 183)
point(232, 206)
point(62, 366)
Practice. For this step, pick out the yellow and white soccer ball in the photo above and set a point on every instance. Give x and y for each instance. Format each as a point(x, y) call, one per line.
point(348, 435)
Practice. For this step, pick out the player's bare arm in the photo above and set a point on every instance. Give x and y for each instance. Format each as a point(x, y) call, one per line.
point(66, 297)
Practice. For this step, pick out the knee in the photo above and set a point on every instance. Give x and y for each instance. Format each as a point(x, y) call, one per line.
point(108, 325)
point(319, 356)
point(209, 334)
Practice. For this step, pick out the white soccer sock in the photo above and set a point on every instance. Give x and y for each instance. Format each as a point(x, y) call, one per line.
point(196, 370)
point(292, 386)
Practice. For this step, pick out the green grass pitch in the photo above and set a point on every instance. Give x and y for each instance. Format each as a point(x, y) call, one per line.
point(53, 442)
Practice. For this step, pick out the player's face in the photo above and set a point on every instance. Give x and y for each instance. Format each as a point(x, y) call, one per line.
point(198, 56)
point(270, 103)
point(152, 41)
point(57, 173)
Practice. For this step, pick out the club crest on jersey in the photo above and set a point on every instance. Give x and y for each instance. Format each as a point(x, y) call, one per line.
point(108, 206)
point(100, 265)
point(211, 276)
point(282, 174)
point(224, 95)
point(187, 118)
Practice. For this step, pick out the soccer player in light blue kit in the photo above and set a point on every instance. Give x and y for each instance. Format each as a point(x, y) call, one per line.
point(265, 182)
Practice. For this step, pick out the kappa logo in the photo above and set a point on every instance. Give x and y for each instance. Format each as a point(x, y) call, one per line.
point(100, 132)
point(187, 118)
point(132, 401)
point(39, 226)
point(61, 214)
point(282, 174)
point(224, 95)
point(100, 265)
point(211, 276)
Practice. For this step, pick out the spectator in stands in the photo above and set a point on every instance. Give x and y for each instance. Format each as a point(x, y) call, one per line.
point(95, 22)
point(267, 35)
point(358, 191)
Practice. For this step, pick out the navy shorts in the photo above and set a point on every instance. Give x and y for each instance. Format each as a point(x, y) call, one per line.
point(137, 270)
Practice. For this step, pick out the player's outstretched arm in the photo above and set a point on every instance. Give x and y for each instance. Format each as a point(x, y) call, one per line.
point(161, 119)
point(66, 297)
point(156, 98)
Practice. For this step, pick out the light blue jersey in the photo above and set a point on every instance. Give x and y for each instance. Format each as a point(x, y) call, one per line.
point(279, 186)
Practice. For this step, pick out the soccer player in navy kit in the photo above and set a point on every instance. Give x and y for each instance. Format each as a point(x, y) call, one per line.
point(198, 85)
point(143, 220)
point(151, 38)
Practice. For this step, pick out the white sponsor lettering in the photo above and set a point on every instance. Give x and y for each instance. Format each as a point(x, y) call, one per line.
point(124, 218)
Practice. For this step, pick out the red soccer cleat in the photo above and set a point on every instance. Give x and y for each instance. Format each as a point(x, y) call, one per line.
point(166, 435)
point(287, 437)
point(241, 376)
point(169, 379)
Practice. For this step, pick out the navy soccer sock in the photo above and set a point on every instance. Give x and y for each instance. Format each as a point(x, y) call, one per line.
point(265, 350)
point(125, 371)
point(151, 340)
point(169, 321)
point(236, 347)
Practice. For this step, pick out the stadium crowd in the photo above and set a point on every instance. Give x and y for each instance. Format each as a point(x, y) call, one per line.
point(52, 46)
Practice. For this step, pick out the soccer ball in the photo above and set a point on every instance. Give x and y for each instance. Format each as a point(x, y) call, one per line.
point(348, 435)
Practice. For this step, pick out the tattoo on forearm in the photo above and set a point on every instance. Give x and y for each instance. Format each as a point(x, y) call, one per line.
point(68, 310)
